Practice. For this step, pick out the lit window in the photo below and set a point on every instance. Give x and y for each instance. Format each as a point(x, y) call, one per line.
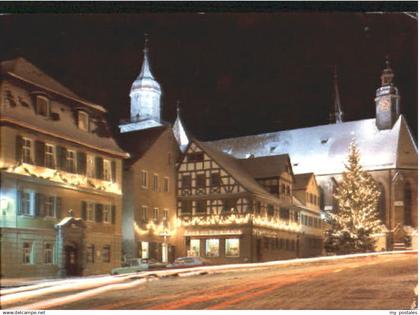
point(27, 203)
point(42, 106)
point(107, 214)
point(83, 121)
point(106, 254)
point(49, 156)
point(90, 166)
point(144, 179)
point(90, 253)
point(48, 253)
point(50, 206)
point(155, 182)
point(107, 170)
point(27, 150)
point(145, 250)
point(165, 214)
point(166, 184)
point(90, 211)
point(212, 247)
point(194, 248)
point(143, 214)
point(232, 247)
point(155, 214)
point(71, 161)
point(27, 253)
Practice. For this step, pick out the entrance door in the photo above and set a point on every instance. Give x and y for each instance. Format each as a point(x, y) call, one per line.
point(71, 261)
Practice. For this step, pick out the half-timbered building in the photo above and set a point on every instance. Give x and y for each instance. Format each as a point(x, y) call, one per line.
point(236, 210)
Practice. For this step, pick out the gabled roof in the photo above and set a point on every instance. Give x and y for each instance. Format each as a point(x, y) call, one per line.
point(137, 143)
point(22, 69)
point(322, 149)
point(302, 181)
point(233, 168)
point(265, 166)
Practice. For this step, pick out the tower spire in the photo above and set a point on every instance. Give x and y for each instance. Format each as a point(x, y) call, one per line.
point(145, 69)
point(387, 75)
point(336, 116)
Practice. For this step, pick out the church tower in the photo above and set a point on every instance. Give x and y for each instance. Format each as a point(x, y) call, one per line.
point(145, 96)
point(387, 100)
point(336, 115)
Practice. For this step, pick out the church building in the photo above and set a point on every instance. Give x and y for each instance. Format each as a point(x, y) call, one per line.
point(387, 149)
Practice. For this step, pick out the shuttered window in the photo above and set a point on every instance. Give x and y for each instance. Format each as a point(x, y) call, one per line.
point(49, 155)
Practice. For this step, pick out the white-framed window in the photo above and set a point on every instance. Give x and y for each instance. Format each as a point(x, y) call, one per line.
point(49, 155)
point(42, 106)
point(155, 214)
point(27, 202)
point(90, 166)
point(166, 184)
point(155, 185)
point(165, 214)
point(232, 247)
point(107, 214)
point(144, 179)
point(107, 170)
point(194, 248)
point(106, 254)
point(145, 250)
point(212, 247)
point(143, 213)
point(83, 120)
point(48, 253)
point(50, 206)
point(90, 209)
point(27, 252)
point(71, 161)
point(27, 150)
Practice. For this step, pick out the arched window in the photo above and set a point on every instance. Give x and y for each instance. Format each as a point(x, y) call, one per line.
point(407, 204)
point(381, 203)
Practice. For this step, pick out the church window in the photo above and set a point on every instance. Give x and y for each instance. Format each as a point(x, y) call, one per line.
point(381, 203)
point(407, 204)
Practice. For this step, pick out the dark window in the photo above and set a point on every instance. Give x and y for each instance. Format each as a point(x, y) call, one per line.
point(90, 253)
point(201, 207)
point(42, 106)
point(186, 207)
point(195, 157)
point(273, 189)
point(229, 205)
point(284, 213)
point(186, 181)
point(200, 180)
point(215, 180)
point(106, 254)
point(270, 210)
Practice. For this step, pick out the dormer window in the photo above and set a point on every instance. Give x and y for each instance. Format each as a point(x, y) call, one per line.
point(83, 121)
point(42, 106)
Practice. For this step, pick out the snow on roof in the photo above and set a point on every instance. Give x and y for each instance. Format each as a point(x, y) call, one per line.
point(65, 128)
point(302, 181)
point(322, 149)
point(180, 133)
point(265, 166)
point(23, 69)
point(233, 167)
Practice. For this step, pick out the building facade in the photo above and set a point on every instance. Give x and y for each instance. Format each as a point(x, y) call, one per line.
point(387, 149)
point(237, 210)
point(61, 183)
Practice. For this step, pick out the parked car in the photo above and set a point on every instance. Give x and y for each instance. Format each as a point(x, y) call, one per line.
point(131, 265)
point(153, 263)
point(185, 262)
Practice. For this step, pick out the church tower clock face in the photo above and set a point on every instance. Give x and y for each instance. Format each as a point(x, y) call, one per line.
point(385, 104)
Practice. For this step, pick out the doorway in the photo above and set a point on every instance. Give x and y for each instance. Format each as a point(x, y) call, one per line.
point(71, 254)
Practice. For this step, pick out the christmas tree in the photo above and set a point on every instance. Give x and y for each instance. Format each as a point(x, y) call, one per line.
point(355, 218)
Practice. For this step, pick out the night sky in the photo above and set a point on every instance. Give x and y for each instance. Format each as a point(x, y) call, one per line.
point(234, 73)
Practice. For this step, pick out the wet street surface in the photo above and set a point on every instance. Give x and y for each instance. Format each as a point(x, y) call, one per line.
point(370, 282)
